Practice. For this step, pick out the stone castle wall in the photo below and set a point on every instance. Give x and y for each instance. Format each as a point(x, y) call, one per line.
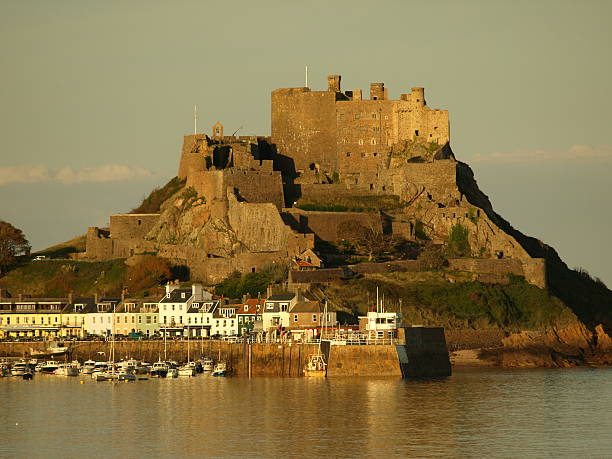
point(253, 186)
point(304, 127)
point(325, 224)
point(340, 132)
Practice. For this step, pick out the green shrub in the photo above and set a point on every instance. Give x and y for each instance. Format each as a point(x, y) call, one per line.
point(458, 244)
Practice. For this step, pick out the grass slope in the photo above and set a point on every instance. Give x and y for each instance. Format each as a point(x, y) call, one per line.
point(55, 278)
point(517, 305)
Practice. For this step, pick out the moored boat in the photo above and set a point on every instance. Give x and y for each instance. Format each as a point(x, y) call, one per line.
point(88, 367)
point(189, 369)
point(316, 366)
point(207, 364)
point(67, 369)
point(159, 370)
point(220, 369)
point(20, 368)
point(48, 367)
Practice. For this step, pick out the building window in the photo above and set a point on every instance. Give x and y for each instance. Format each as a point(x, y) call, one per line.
point(139, 319)
point(314, 317)
point(154, 319)
point(295, 317)
point(183, 295)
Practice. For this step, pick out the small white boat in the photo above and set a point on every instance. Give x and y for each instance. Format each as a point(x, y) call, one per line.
point(125, 375)
point(208, 364)
point(20, 368)
point(67, 369)
point(159, 370)
point(220, 369)
point(189, 369)
point(101, 376)
point(316, 366)
point(88, 367)
point(172, 373)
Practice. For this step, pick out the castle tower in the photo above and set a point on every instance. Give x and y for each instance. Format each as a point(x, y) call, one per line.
point(378, 91)
point(418, 97)
point(333, 83)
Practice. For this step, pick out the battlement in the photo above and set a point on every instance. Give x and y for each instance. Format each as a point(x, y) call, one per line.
point(335, 131)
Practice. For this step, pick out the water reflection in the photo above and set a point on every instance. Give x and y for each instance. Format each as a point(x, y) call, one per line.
point(498, 413)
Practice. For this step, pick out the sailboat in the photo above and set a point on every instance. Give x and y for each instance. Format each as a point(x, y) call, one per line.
point(189, 369)
point(317, 366)
point(220, 368)
point(161, 367)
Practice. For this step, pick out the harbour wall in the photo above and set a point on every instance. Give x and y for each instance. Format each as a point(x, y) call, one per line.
point(266, 359)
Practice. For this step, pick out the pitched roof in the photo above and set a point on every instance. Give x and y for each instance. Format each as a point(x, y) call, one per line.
point(307, 306)
point(282, 297)
point(175, 296)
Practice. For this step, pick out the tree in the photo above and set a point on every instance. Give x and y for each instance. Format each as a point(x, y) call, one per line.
point(369, 240)
point(458, 244)
point(12, 244)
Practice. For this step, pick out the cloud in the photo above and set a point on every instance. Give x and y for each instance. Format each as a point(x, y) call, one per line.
point(69, 175)
point(574, 153)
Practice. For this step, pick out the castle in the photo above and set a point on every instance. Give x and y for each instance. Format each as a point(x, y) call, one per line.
point(240, 206)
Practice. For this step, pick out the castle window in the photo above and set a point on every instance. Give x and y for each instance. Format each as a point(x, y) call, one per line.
point(375, 154)
point(340, 116)
point(139, 222)
point(371, 186)
point(386, 117)
point(360, 141)
point(384, 187)
point(357, 116)
point(373, 141)
point(376, 129)
point(373, 116)
point(416, 132)
point(363, 155)
point(435, 128)
point(348, 154)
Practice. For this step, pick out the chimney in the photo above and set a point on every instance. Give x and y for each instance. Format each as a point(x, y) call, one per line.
point(196, 292)
point(20, 297)
point(96, 297)
point(269, 291)
point(333, 83)
point(71, 297)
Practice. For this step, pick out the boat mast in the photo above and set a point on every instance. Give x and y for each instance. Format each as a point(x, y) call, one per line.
point(188, 332)
point(165, 333)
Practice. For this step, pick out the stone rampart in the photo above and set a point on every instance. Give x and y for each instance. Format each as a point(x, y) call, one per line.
point(131, 226)
point(252, 186)
point(325, 224)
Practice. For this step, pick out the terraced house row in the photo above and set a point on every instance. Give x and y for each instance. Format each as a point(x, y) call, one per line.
point(180, 312)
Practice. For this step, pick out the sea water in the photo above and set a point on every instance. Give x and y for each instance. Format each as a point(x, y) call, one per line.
point(474, 413)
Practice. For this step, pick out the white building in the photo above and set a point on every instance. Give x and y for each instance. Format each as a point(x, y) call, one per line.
point(100, 322)
point(176, 308)
point(276, 310)
point(380, 324)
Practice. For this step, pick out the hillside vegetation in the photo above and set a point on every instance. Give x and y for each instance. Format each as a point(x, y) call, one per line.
point(152, 203)
point(431, 301)
point(57, 278)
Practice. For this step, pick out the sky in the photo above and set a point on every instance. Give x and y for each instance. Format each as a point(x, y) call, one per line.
point(96, 96)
